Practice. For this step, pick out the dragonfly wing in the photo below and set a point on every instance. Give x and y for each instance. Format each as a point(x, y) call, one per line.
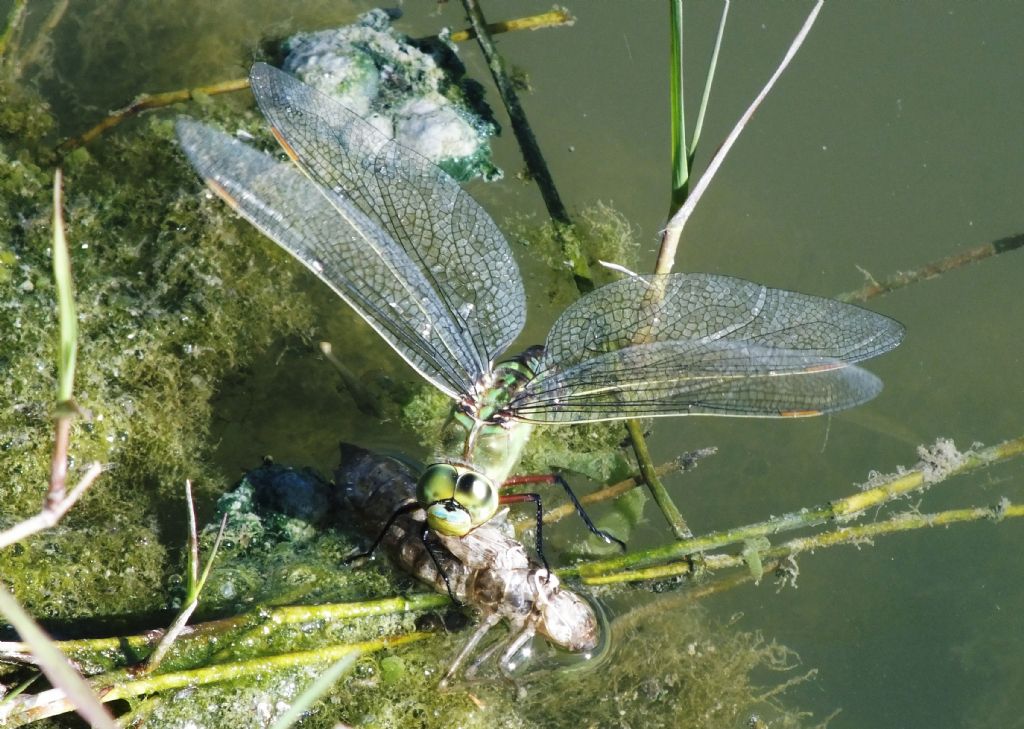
point(453, 241)
point(688, 378)
point(342, 246)
point(700, 343)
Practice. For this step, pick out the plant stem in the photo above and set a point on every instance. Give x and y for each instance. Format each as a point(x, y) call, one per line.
point(553, 18)
point(840, 510)
point(674, 229)
point(144, 102)
point(535, 163)
point(859, 534)
point(120, 685)
point(54, 665)
point(934, 269)
point(614, 491)
point(12, 24)
point(128, 649)
point(677, 111)
point(657, 488)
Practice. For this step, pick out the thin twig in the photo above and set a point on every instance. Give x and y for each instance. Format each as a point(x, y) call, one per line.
point(43, 34)
point(145, 102)
point(551, 19)
point(49, 516)
point(934, 269)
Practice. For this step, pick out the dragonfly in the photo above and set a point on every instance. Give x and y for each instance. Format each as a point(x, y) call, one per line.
point(426, 267)
point(486, 569)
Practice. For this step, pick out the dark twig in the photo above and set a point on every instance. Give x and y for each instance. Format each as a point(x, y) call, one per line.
point(532, 155)
point(934, 269)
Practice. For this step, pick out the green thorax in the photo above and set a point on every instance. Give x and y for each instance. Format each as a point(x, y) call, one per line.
point(480, 433)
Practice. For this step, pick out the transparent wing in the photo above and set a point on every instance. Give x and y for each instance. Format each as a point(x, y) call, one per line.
point(704, 344)
point(345, 248)
point(452, 240)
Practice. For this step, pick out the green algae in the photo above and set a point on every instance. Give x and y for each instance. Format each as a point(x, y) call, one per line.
point(171, 297)
point(598, 233)
point(672, 665)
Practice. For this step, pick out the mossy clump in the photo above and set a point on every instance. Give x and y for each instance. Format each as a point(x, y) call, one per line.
point(598, 233)
point(420, 96)
point(96, 577)
point(280, 547)
point(173, 294)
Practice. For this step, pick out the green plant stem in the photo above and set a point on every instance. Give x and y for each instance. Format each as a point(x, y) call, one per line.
point(840, 510)
point(709, 80)
point(305, 701)
point(677, 111)
point(121, 685)
point(68, 349)
point(12, 24)
point(128, 649)
point(54, 665)
point(649, 472)
point(674, 228)
point(855, 535)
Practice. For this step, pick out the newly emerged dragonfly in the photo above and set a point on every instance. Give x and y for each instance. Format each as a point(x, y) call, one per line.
point(427, 268)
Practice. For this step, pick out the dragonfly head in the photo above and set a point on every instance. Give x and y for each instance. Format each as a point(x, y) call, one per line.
point(456, 499)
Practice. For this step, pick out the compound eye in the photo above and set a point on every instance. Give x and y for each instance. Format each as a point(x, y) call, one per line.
point(477, 495)
point(437, 483)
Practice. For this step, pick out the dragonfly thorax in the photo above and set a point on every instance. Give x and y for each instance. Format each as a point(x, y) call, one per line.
point(480, 445)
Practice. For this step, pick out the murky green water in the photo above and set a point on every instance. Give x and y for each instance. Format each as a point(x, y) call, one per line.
point(893, 140)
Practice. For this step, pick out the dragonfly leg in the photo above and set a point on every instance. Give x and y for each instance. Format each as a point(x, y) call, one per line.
point(431, 548)
point(403, 509)
point(557, 478)
point(535, 498)
point(485, 625)
point(515, 645)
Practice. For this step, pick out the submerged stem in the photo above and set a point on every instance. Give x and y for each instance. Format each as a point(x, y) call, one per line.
point(840, 510)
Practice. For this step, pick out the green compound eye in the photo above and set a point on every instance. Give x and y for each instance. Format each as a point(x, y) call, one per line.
point(477, 495)
point(437, 483)
point(456, 503)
